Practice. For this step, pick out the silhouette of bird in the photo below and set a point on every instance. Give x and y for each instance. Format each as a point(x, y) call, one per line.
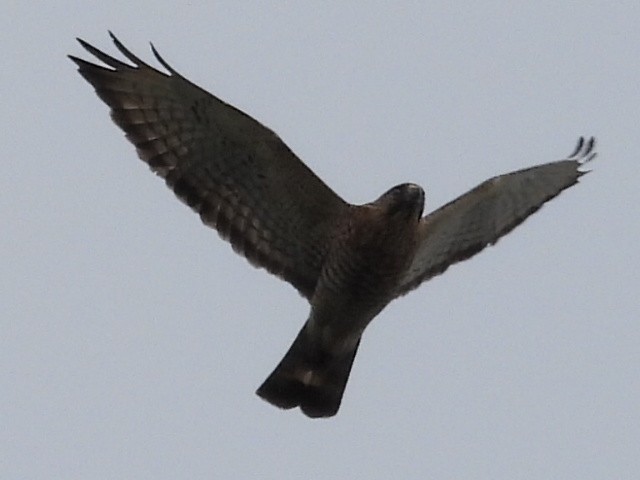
point(349, 261)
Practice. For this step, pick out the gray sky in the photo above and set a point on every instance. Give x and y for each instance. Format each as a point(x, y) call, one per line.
point(133, 338)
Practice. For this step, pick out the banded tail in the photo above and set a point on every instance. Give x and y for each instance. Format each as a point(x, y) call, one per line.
point(309, 377)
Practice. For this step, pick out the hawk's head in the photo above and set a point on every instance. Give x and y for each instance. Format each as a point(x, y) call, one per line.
point(406, 200)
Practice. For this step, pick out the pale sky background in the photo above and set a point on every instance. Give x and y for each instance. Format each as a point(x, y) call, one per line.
point(132, 339)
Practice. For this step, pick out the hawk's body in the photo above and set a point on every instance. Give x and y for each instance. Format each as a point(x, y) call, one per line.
point(372, 248)
point(348, 261)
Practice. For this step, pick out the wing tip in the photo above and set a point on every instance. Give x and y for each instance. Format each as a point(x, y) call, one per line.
point(162, 61)
point(117, 64)
point(584, 151)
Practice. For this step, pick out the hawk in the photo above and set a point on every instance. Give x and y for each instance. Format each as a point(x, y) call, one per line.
point(348, 261)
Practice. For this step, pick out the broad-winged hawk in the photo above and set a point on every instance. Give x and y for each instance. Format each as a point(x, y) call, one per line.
point(348, 261)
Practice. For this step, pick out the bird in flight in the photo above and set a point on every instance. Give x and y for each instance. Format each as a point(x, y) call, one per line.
point(348, 261)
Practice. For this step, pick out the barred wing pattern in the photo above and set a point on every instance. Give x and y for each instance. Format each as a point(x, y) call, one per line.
point(465, 226)
point(234, 172)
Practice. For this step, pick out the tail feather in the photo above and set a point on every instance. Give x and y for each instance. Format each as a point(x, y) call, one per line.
point(309, 377)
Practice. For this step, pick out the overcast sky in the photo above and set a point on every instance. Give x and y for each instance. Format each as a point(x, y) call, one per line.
point(133, 338)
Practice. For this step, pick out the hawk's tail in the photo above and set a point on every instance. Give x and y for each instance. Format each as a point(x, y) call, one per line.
point(309, 377)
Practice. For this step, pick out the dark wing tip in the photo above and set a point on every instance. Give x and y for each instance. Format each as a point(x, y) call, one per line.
point(100, 55)
point(76, 60)
point(162, 60)
point(117, 64)
point(127, 53)
point(584, 151)
point(578, 148)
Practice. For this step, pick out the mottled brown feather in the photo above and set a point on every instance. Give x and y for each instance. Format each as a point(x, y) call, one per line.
point(235, 173)
point(480, 217)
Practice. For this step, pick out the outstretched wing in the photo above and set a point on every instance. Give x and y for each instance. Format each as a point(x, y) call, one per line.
point(233, 171)
point(480, 217)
